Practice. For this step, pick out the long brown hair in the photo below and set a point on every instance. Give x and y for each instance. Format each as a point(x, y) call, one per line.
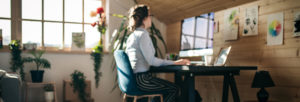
point(137, 14)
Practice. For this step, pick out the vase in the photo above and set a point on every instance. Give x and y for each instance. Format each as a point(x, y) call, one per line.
point(37, 76)
point(49, 96)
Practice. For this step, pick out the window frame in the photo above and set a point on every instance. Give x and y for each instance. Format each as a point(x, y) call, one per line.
point(194, 36)
point(16, 26)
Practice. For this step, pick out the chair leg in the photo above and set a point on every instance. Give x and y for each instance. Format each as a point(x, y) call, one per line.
point(161, 98)
point(149, 99)
point(134, 98)
point(124, 98)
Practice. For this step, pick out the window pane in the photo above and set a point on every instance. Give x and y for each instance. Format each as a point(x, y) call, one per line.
point(212, 15)
point(32, 32)
point(5, 8)
point(6, 31)
point(210, 44)
point(69, 28)
point(53, 34)
point(201, 29)
point(53, 10)
point(92, 36)
point(211, 29)
point(90, 5)
point(188, 26)
point(73, 10)
point(187, 42)
point(200, 43)
point(32, 9)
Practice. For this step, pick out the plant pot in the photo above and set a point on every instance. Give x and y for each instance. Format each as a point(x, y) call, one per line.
point(37, 76)
point(49, 96)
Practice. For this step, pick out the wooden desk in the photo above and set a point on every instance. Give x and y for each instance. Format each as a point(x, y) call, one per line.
point(189, 72)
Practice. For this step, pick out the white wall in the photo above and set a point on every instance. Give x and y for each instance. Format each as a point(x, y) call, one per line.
point(64, 64)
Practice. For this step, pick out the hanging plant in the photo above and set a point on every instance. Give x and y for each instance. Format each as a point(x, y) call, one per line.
point(79, 85)
point(97, 58)
point(16, 58)
point(98, 50)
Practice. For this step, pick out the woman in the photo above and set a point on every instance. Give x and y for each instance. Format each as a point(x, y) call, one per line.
point(141, 52)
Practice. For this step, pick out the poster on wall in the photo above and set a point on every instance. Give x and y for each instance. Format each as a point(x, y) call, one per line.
point(250, 21)
point(275, 29)
point(297, 24)
point(231, 19)
point(78, 41)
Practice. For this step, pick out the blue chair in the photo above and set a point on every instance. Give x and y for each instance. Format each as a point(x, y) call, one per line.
point(127, 81)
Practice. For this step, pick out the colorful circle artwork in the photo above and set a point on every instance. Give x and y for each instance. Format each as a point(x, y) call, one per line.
point(275, 28)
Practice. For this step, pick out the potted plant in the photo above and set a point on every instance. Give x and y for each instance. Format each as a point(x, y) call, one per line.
point(49, 92)
point(16, 58)
point(37, 75)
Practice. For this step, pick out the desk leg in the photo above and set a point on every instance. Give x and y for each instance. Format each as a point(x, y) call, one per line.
point(179, 82)
point(233, 87)
point(191, 87)
point(225, 88)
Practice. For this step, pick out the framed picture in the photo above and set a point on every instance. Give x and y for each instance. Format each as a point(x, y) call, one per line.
point(275, 29)
point(220, 60)
point(231, 24)
point(78, 41)
point(251, 21)
point(29, 46)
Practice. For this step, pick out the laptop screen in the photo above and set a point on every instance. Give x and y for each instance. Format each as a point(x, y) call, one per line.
point(222, 57)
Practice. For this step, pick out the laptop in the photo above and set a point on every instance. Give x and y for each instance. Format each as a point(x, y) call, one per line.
point(221, 59)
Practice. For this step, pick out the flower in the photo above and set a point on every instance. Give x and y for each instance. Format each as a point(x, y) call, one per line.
point(100, 10)
point(93, 14)
point(101, 21)
point(94, 24)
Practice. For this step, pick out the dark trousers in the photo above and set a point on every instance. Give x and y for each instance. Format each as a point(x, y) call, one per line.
point(146, 82)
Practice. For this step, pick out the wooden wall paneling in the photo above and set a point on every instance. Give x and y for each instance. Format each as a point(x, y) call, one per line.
point(173, 37)
point(282, 61)
point(185, 5)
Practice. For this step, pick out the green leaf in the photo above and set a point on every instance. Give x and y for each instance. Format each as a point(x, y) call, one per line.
point(158, 34)
point(45, 63)
point(123, 41)
point(38, 60)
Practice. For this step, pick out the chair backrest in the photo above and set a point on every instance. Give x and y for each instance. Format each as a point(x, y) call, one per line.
point(126, 77)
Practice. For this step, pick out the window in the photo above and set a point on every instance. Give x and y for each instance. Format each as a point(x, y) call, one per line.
point(50, 23)
point(197, 32)
point(197, 36)
point(5, 20)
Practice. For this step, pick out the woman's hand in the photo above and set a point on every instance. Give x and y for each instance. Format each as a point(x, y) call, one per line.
point(182, 62)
